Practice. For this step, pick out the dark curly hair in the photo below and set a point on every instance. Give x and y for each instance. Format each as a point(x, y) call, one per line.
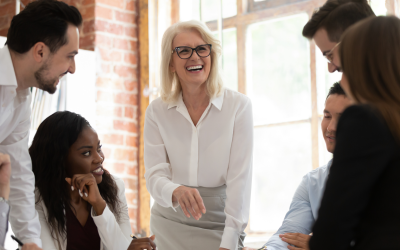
point(49, 152)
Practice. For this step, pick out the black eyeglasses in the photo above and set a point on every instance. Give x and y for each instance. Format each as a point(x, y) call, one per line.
point(185, 52)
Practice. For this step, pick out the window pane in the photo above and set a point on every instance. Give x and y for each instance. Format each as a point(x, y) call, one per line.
point(278, 70)
point(282, 155)
point(379, 7)
point(210, 9)
point(229, 59)
point(189, 10)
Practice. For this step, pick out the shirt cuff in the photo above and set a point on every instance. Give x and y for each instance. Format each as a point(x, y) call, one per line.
point(167, 195)
point(230, 238)
point(103, 218)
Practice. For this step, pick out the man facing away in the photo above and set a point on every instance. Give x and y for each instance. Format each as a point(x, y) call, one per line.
point(41, 44)
point(326, 27)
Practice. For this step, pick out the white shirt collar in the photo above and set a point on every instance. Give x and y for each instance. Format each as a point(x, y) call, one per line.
point(7, 69)
point(216, 101)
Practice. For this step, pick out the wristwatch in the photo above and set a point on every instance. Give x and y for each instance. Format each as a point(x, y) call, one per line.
point(263, 248)
point(4, 200)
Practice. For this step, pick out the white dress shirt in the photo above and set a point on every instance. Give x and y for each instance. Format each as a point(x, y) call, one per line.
point(14, 133)
point(217, 151)
point(114, 235)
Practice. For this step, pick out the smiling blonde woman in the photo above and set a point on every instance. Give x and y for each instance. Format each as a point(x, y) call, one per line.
point(198, 140)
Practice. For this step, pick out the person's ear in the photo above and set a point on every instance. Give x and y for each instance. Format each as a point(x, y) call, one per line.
point(172, 67)
point(39, 52)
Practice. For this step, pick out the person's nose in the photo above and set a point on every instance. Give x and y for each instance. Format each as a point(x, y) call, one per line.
point(194, 56)
point(332, 126)
point(71, 68)
point(331, 67)
point(99, 158)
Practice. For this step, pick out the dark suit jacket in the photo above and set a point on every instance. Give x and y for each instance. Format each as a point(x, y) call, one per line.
point(360, 208)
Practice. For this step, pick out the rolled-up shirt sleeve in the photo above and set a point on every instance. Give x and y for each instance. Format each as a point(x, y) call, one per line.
point(299, 218)
point(239, 177)
point(158, 170)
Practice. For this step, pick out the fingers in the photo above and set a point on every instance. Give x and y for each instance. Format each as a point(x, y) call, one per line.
point(4, 159)
point(191, 202)
point(195, 208)
point(5, 166)
point(292, 241)
point(184, 208)
point(297, 239)
point(81, 183)
point(143, 243)
point(30, 246)
point(199, 201)
point(5, 173)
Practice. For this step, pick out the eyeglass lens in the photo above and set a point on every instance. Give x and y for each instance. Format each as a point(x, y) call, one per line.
point(186, 52)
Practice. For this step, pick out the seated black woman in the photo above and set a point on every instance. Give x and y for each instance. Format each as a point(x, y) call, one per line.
point(80, 204)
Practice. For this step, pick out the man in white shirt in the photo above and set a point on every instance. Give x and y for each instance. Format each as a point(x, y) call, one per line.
point(41, 44)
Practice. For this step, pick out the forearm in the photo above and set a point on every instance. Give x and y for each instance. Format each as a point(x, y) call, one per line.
point(111, 233)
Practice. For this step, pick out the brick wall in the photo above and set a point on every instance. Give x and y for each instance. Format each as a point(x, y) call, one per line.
point(109, 28)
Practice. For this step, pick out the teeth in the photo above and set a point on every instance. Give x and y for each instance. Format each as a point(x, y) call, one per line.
point(97, 170)
point(194, 67)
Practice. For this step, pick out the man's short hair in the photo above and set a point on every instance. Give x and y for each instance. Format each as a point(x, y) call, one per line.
point(336, 89)
point(335, 16)
point(42, 21)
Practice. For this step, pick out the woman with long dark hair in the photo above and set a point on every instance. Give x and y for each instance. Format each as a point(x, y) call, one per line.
point(361, 204)
point(80, 204)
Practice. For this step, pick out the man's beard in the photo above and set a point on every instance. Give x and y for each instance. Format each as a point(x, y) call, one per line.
point(45, 84)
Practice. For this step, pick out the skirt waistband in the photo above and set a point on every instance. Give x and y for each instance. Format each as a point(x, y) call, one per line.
point(211, 191)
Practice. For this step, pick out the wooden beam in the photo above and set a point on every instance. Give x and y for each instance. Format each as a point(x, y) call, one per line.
point(267, 14)
point(144, 196)
point(392, 7)
point(314, 107)
point(241, 48)
point(175, 11)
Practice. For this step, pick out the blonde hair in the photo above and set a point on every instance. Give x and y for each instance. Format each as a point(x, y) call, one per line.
point(170, 85)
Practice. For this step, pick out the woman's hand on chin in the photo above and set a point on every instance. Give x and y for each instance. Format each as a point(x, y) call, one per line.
point(86, 186)
point(190, 201)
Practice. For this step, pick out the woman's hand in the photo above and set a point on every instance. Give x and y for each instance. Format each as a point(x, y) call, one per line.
point(190, 201)
point(143, 243)
point(5, 173)
point(86, 186)
point(297, 239)
point(30, 246)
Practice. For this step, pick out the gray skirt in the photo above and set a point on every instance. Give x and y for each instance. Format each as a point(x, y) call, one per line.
point(174, 231)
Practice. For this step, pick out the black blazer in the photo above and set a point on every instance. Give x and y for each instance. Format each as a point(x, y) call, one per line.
point(360, 208)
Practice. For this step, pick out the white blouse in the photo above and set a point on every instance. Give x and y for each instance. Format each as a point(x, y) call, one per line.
point(218, 151)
